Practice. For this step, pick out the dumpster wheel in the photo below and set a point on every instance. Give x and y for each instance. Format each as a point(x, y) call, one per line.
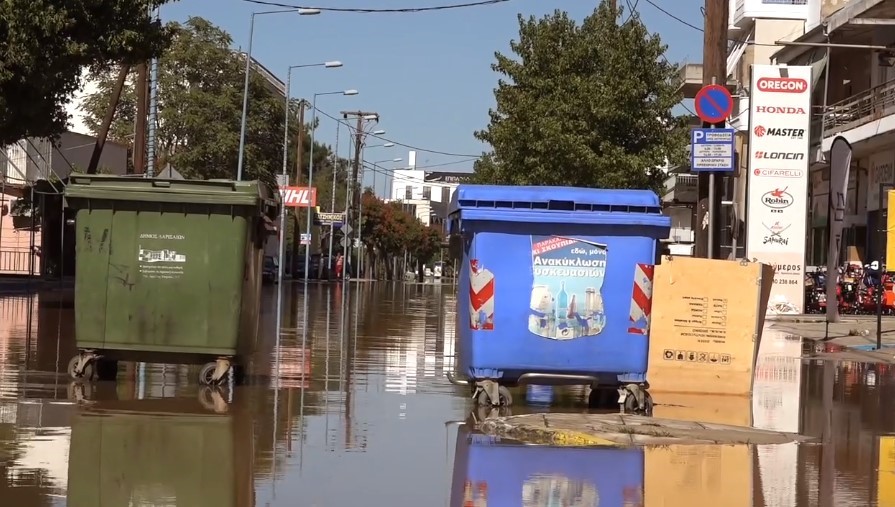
point(487, 388)
point(88, 369)
point(635, 400)
point(209, 370)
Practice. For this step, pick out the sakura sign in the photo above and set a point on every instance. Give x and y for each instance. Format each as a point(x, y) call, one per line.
point(299, 197)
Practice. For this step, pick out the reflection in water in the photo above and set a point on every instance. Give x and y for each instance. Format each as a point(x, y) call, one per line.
point(488, 471)
point(360, 393)
point(159, 452)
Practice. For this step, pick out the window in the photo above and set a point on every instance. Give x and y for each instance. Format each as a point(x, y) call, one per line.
point(408, 192)
point(427, 193)
point(445, 194)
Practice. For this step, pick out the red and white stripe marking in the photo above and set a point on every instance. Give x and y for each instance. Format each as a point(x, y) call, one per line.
point(641, 298)
point(481, 297)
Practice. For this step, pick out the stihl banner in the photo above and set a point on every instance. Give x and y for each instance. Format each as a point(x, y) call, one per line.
point(299, 197)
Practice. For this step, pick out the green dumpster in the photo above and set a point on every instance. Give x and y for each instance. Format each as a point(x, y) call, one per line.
point(167, 271)
point(164, 451)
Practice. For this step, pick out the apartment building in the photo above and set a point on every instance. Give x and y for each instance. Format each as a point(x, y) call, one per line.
point(856, 100)
point(754, 28)
point(426, 193)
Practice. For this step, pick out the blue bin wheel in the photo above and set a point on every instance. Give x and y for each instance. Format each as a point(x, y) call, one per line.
point(506, 399)
point(632, 408)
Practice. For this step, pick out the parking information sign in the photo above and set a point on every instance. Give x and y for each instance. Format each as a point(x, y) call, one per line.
point(711, 150)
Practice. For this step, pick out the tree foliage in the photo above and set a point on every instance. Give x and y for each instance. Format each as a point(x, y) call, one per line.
point(45, 45)
point(585, 105)
point(388, 230)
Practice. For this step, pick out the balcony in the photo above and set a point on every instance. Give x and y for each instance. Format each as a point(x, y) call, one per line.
point(744, 11)
point(691, 80)
point(680, 188)
point(862, 116)
point(681, 235)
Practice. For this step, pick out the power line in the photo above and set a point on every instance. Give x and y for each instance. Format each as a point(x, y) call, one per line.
point(700, 29)
point(436, 152)
point(407, 10)
point(672, 16)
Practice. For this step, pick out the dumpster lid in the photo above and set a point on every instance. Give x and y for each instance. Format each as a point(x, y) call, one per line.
point(123, 188)
point(558, 205)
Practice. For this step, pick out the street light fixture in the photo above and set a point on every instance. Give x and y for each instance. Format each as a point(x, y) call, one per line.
point(376, 170)
point(378, 132)
point(348, 92)
point(333, 64)
point(245, 89)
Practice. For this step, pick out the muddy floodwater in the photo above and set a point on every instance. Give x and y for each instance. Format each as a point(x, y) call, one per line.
point(358, 411)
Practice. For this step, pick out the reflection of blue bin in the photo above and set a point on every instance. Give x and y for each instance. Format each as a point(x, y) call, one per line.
point(547, 281)
point(488, 473)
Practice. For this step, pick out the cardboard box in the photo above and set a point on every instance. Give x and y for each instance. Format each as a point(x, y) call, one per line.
point(706, 324)
point(697, 475)
point(707, 408)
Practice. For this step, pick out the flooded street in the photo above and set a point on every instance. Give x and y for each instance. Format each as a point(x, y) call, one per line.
point(360, 412)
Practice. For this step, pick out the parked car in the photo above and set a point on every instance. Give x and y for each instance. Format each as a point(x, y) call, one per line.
point(270, 269)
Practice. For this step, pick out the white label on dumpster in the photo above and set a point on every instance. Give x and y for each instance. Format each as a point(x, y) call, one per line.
point(160, 263)
point(481, 297)
point(566, 297)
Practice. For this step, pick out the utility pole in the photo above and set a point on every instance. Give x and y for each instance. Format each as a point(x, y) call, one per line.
point(714, 68)
point(142, 93)
point(299, 156)
point(352, 215)
point(107, 119)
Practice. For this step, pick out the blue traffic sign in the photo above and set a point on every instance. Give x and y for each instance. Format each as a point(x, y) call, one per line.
point(712, 150)
point(713, 104)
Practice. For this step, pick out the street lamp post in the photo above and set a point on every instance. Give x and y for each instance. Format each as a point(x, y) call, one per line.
point(311, 171)
point(245, 88)
point(376, 169)
point(360, 206)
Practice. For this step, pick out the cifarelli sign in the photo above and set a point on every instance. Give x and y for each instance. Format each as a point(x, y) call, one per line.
point(777, 199)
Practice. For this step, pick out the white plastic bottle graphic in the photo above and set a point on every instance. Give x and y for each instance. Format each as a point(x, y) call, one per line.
point(562, 311)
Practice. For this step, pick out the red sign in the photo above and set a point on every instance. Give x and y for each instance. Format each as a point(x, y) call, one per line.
point(299, 197)
point(782, 84)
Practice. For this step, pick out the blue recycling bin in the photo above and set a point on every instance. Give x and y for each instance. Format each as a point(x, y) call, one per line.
point(491, 473)
point(555, 282)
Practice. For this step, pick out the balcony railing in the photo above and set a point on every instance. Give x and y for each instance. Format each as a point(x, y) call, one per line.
point(860, 109)
point(18, 262)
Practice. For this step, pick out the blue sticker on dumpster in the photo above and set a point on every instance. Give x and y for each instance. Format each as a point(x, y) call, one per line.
point(566, 302)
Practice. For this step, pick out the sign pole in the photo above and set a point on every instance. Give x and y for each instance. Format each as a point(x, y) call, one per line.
point(711, 216)
point(712, 150)
point(712, 208)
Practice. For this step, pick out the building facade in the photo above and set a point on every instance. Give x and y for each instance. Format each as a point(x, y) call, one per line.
point(854, 98)
point(426, 193)
point(756, 29)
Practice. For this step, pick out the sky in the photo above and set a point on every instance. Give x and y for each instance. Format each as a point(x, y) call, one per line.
point(428, 74)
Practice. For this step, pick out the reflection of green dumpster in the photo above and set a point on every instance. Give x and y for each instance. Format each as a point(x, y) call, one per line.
point(167, 271)
point(160, 452)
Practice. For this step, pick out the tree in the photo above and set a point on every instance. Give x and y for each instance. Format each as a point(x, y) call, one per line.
point(584, 105)
point(200, 109)
point(425, 242)
point(47, 43)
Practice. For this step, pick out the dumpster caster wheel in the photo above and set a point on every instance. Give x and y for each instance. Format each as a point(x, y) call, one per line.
point(206, 374)
point(212, 398)
point(82, 367)
point(483, 397)
point(215, 373)
point(79, 391)
point(635, 400)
